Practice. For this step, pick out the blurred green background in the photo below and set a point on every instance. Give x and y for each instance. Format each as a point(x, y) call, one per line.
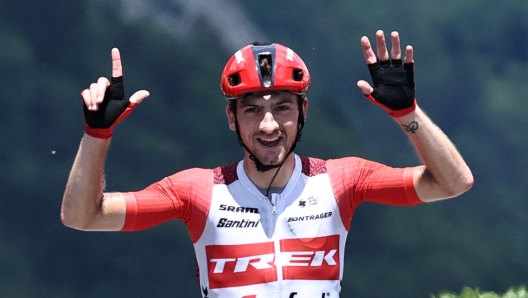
point(471, 75)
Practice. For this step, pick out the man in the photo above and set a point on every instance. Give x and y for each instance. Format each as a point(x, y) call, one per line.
point(275, 224)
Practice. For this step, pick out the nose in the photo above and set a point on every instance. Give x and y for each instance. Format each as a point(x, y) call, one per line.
point(268, 123)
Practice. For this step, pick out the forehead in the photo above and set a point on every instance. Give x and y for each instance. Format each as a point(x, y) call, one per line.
point(269, 98)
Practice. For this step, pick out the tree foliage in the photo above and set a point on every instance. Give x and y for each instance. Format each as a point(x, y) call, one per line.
point(519, 292)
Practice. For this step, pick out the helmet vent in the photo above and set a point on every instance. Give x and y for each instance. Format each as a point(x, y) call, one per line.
point(234, 79)
point(265, 68)
point(297, 75)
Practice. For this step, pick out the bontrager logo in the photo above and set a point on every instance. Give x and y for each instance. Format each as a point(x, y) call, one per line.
point(293, 294)
point(244, 223)
point(310, 217)
point(238, 209)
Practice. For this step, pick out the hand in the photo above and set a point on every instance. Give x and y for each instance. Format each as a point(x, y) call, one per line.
point(393, 81)
point(105, 104)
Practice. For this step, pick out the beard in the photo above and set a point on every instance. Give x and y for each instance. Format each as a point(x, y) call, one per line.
point(270, 151)
point(275, 157)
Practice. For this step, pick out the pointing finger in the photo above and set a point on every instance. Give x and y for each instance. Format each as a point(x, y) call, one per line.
point(117, 68)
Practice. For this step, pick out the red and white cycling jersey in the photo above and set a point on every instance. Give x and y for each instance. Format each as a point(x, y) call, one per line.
point(249, 246)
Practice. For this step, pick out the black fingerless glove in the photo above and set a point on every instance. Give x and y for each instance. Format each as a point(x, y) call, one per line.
point(114, 108)
point(393, 86)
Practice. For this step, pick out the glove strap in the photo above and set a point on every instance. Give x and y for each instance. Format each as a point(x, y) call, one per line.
point(392, 113)
point(99, 133)
point(106, 133)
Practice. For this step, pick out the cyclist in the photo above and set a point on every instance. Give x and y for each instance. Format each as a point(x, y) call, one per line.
point(275, 223)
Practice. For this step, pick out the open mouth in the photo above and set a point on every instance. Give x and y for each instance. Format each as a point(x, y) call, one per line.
point(269, 142)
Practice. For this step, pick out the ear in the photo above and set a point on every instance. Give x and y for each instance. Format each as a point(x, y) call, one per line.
point(230, 118)
point(305, 107)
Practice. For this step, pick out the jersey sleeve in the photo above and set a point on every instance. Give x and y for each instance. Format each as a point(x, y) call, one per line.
point(355, 180)
point(185, 195)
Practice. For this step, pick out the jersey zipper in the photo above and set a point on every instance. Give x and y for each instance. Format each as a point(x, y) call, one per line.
point(277, 293)
point(276, 200)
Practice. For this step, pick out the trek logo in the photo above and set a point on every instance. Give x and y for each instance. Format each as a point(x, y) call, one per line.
point(310, 217)
point(239, 58)
point(238, 209)
point(244, 223)
point(289, 54)
point(248, 264)
point(293, 294)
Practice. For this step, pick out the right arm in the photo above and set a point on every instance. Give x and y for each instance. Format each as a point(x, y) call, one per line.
point(85, 206)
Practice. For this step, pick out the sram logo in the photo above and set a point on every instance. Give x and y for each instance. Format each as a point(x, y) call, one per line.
point(241, 265)
point(238, 209)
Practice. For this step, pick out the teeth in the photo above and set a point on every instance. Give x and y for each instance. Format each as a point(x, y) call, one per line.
point(271, 140)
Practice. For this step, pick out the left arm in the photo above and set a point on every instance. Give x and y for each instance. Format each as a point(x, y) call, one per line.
point(444, 173)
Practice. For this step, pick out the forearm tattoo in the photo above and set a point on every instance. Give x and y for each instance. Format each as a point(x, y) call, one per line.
point(411, 127)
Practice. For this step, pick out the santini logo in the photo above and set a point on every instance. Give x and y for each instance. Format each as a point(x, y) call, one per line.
point(310, 217)
point(245, 223)
point(238, 209)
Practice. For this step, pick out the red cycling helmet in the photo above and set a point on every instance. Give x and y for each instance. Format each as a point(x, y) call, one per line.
point(242, 74)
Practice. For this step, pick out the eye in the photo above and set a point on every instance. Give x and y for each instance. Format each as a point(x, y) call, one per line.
point(283, 108)
point(250, 110)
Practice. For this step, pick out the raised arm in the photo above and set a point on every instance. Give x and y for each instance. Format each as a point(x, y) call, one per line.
point(444, 173)
point(85, 206)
